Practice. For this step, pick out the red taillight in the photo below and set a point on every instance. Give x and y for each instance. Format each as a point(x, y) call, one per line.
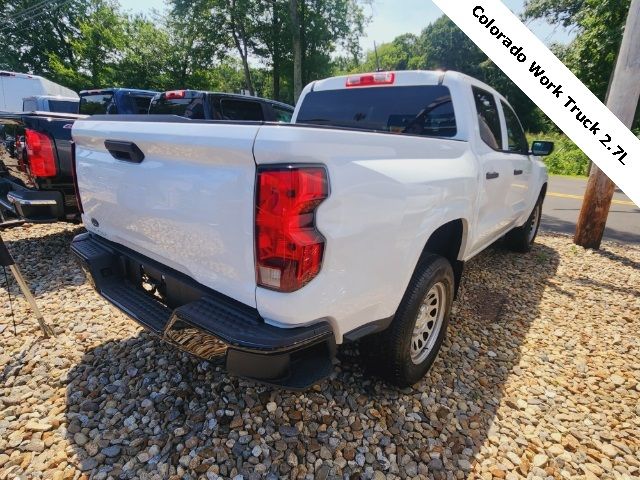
point(289, 248)
point(174, 94)
point(379, 78)
point(42, 161)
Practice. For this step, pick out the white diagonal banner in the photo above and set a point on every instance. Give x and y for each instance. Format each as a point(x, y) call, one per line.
point(552, 86)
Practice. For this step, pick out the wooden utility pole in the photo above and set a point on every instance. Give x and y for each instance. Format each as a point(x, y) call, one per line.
point(622, 100)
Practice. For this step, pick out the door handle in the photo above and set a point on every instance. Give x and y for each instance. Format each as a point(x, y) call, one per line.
point(492, 175)
point(125, 151)
point(517, 172)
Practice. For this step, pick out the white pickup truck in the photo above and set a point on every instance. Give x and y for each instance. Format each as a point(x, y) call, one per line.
point(276, 242)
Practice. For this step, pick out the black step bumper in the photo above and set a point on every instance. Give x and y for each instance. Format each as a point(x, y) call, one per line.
point(35, 206)
point(203, 322)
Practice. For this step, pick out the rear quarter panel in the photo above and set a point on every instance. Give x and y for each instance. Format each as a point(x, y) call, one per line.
point(388, 193)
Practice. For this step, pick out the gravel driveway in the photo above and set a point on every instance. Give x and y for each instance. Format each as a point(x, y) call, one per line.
point(539, 378)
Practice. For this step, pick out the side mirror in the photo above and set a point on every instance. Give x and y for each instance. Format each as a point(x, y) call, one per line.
point(541, 148)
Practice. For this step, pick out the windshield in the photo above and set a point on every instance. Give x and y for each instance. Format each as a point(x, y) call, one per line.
point(63, 106)
point(414, 110)
point(95, 104)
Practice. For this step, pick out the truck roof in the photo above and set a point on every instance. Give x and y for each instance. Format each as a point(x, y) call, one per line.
point(395, 78)
point(97, 91)
point(52, 97)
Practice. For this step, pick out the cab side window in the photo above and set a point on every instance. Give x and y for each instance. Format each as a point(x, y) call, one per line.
point(488, 118)
point(517, 141)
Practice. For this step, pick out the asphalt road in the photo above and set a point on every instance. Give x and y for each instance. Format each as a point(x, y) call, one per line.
point(562, 206)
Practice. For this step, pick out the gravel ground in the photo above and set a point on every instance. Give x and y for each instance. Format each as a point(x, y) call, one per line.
point(539, 378)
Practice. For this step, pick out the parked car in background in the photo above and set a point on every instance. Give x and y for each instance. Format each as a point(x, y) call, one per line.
point(201, 105)
point(14, 87)
point(50, 103)
point(282, 240)
point(112, 101)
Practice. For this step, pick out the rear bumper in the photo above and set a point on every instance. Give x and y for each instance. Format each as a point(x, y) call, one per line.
point(36, 206)
point(203, 322)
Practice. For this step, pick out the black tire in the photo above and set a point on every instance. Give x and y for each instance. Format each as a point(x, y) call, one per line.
point(521, 239)
point(389, 353)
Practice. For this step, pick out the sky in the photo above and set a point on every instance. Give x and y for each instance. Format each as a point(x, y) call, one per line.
point(390, 18)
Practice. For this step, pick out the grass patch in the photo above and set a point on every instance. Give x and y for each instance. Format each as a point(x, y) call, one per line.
point(566, 159)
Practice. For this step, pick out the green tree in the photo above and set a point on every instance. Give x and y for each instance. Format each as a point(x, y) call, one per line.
point(599, 25)
point(222, 27)
point(31, 31)
point(144, 57)
point(403, 53)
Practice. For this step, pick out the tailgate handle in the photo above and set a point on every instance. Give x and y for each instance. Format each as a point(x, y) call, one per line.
point(123, 150)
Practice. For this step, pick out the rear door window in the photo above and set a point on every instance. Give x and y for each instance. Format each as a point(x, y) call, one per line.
point(488, 118)
point(95, 104)
point(425, 110)
point(232, 109)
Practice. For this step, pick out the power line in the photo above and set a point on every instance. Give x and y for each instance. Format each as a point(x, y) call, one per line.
point(27, 10)
point(36, 13)
point(9, 27)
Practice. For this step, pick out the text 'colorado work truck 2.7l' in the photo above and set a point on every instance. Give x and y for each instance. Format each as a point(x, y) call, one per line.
point(280, 241)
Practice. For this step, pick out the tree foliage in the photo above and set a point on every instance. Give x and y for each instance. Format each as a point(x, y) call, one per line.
point(598, 25)
point(249, 45)
point(207, 44)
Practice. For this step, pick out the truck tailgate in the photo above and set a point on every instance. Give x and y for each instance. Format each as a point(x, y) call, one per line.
point(189, 203)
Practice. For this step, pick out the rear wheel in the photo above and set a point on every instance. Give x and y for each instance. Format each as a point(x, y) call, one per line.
point(404, 352)
point(521, 239)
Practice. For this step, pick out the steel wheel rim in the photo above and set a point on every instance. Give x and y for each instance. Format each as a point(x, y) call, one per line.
point(533, 227)
point(428, 323)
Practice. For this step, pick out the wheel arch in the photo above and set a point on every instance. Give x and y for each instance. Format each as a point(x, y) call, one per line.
point(449, 241)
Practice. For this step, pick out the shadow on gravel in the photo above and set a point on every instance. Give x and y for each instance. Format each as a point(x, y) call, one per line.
point(137, 405)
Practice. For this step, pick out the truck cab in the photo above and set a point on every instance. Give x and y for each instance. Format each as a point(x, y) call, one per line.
point(113, 101)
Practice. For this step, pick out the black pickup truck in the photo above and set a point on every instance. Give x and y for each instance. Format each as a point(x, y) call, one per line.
point(39, 186)
point(42, 188)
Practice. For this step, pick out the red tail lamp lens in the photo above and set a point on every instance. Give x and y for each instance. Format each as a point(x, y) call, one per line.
point(42, 161)
point(289, 248)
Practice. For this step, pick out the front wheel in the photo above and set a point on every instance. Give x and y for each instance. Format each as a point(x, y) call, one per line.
point(404, 352)
point(521, 239)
